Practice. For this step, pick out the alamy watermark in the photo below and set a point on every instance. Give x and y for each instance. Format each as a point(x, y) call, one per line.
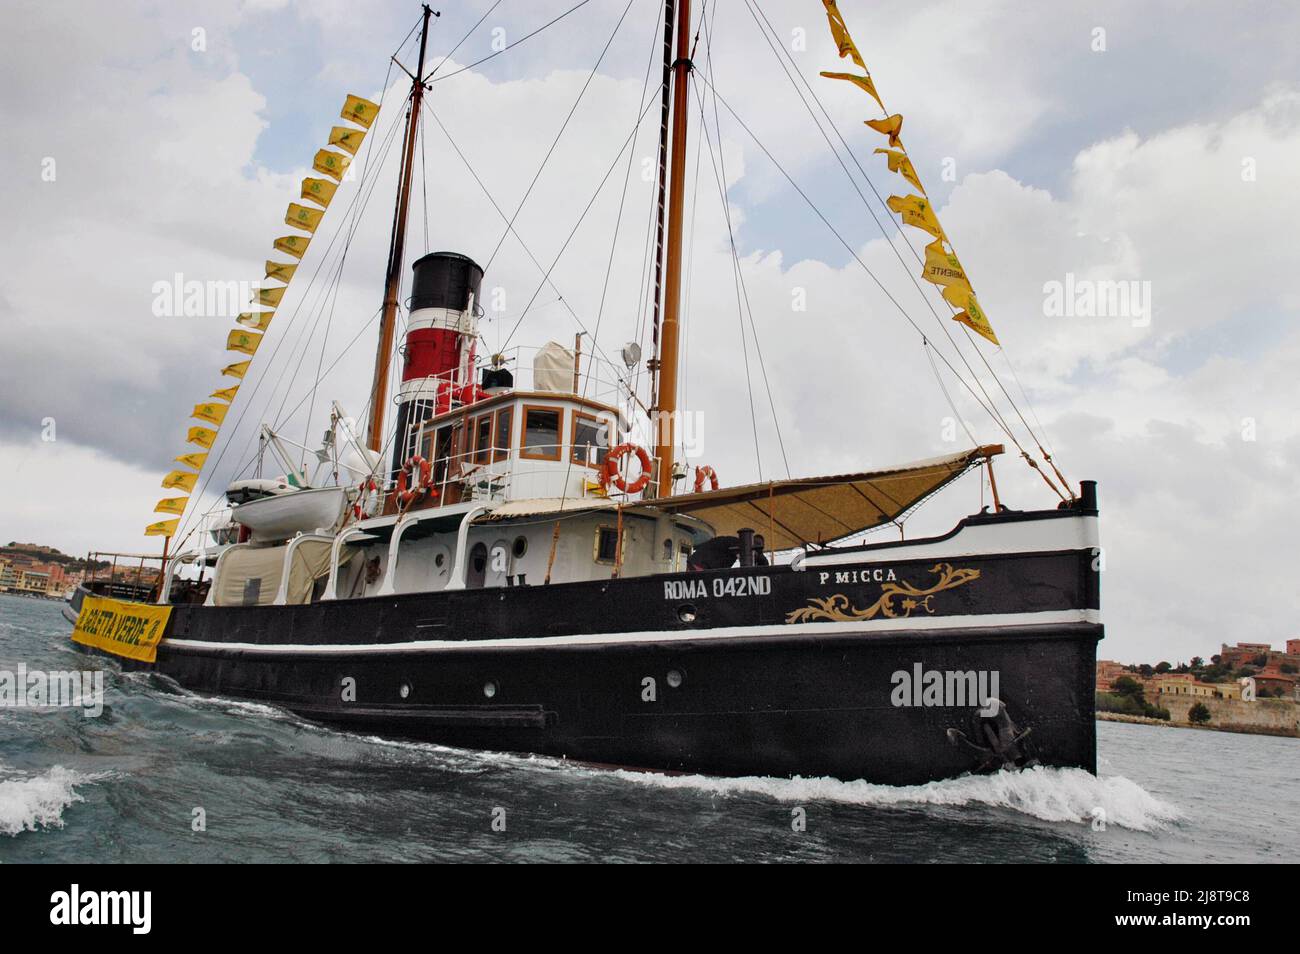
point(25, 688)
point(946, 688)
point(1098, 298)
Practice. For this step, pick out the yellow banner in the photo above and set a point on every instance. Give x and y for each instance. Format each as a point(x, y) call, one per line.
point(861, 82)
point(245, 341)
point(257, 320)
point(941, 266)
point(916, 212)
point(360, 111)
point(171, 505)
point(180, 480)
point(319, 191)
point(898, 162)
point(295, 245)
point(891, 126)
point(345, 138)
point(280, 271)
point(125, 629)
point(301, 217)
point(840, 32)
point(971, 315)
point(212, 413)
point(194, 461)
point(163, 528)
point(236, 370)
point(201, 436)
point(270, 297)
point(225, 394)
point(333, 164)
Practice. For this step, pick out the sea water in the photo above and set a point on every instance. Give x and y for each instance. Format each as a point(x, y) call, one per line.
point(165, 775)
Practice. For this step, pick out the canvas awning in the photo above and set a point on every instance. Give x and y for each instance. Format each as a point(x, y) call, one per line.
point(789, 513)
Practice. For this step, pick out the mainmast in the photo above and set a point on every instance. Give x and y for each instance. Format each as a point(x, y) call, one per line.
point(666, 387)
point(396, 250)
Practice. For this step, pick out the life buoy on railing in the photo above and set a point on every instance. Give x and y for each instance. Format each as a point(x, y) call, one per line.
point(364, 489)
point(705, 473)
point(611, 474)
point(416, 469)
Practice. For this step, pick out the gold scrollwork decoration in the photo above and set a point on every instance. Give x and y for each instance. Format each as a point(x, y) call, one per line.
point(897, 600)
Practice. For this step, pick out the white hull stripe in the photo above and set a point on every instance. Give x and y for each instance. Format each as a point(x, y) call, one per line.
point(864, 627)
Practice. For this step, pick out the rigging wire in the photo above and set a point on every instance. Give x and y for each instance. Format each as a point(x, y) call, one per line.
point(599, 188)
point(558, 136)
point(778, 50)
point(504, 49)
point(853, 252)
point(359, 200)
point(468, 34)
point(735, 254)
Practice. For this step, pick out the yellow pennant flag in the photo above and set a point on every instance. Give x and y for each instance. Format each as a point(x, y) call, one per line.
point(245, 341)
point(941, 266)
point(916, 212)
point(225, 394)
point(345, 138)
point(280, 271)
point(257, 320)
point(201, 436)
point(971, 315)
point(301, 217)
point(270, 297)
point(236, 370)
point(333, 164)
point(212, 413)
point(192, 460)
point(898, 162)
point(862, 82)
point(180, 480)
point(360, 111)
point(295, 245)
point(890, 126)
point(319, 191)
point(840, 32)
point(163, 528)
point(171, 505)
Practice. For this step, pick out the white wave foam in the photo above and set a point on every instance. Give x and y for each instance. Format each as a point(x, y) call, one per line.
point(1051, 794)
point(38, 802)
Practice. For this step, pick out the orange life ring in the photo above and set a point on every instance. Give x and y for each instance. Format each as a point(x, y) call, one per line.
point(419, 469)
point(610, 473)
point(364, 488)
point(705, 473)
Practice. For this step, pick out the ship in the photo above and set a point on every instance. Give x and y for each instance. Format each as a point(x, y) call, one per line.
point(511, 565)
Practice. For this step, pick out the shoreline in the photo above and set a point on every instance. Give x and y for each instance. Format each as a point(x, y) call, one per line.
point(1237, 729)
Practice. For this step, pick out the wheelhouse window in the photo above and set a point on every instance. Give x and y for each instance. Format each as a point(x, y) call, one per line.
point(541, 433)
point(501, 440)
point(606, 550)
point(483, 439)
point(590, 439)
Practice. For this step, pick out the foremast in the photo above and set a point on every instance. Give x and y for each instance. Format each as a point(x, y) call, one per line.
point(396, 252)
point(666, 360)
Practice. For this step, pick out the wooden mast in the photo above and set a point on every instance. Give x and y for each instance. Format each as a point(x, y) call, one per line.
point(667, 357)
point(396, 251)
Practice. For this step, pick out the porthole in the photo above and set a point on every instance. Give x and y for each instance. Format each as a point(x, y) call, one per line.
point(404, 690)
point(686, 612)
point(674, 678)
point(439, 559)
point(489, 689)
point(520, 547)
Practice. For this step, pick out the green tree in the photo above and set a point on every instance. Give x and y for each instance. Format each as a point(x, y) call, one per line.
point(1163, 666)
point(1198, 714)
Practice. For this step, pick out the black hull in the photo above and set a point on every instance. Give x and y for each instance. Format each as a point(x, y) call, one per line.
point(766, 706)
point(772, 674)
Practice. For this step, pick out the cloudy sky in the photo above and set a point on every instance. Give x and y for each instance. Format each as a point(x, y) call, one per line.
point(1154, 143)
